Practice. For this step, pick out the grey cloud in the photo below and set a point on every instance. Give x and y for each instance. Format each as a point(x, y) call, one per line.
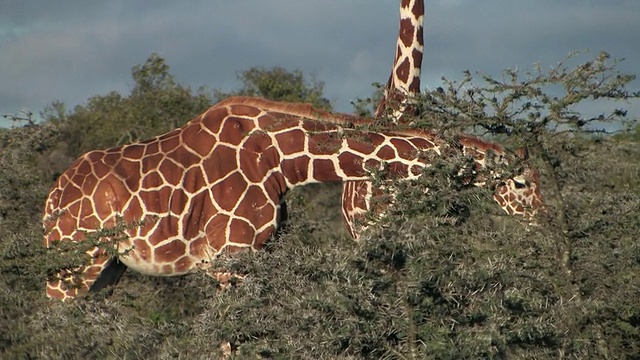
point(69, 50)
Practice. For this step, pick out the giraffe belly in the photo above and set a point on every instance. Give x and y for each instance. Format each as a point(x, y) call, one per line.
point(169, 258)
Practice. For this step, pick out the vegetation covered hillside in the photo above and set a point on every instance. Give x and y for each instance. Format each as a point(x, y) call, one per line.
point(445, 275)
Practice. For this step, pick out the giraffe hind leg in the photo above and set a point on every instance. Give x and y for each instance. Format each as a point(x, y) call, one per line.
point(110, 275)
point(68, 283)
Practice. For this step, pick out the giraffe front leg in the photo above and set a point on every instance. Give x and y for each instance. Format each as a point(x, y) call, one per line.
point(223, 278)
point(227, 279)
point(357, 199)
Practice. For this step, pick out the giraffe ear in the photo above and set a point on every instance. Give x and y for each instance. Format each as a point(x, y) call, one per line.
point(522, 153)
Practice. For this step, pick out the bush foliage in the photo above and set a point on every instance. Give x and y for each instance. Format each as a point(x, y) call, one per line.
point(445, 275)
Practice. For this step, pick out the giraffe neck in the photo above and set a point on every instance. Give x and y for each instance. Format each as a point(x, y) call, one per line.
point(285, 146)
point(338, 155)
point(298, 144)
point(304, 146)
point(404, 81)
point(396, 103)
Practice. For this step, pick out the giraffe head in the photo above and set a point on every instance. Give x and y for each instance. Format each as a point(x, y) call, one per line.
point(517, 192)
point(520, 195)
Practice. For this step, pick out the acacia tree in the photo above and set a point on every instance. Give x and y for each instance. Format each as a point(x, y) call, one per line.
point(547, 123)
point(571, 266)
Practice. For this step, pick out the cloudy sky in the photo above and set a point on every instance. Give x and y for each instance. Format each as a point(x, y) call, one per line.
point(69, 50)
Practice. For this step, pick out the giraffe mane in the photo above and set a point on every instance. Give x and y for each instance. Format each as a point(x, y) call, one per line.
point(297, 109)
point(480, 145)
point(307, 110)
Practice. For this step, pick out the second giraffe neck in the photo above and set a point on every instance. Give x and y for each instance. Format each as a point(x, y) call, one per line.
point(409, 47)
point(404, 80)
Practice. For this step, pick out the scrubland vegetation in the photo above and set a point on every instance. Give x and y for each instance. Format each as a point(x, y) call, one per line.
point(446, 275)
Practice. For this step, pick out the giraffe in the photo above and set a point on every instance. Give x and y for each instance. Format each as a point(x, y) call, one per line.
point(216, 184)
point(403, 85)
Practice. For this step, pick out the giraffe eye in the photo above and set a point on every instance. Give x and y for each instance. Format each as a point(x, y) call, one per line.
point(520, 183)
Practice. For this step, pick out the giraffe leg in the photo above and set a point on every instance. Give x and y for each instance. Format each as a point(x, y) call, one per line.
point(110, 275)
point(356, 198)
point(62, 287)
point(223, 278)
point(283, 220)
point(227, 349)
point(69, 283)
point(226, 279)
